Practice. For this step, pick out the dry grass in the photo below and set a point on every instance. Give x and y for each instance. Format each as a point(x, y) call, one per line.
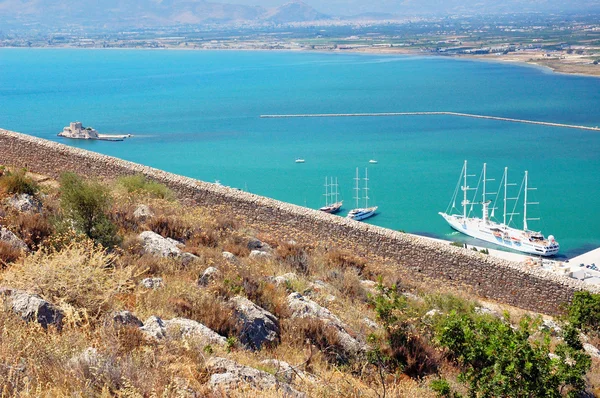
point(34, 229)
point(89, 284)
point(81, 276)
point(8, 254)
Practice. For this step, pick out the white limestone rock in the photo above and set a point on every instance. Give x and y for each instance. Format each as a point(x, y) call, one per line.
point(154, 327)
point(187, 258)
point(152, 283)
point(229, 257)
point(591, 350)
point(303, 307)
point(24, 203)
point(8, 237)
point(283, 279)
point(180, 329)
point(258, 254)
point(259, 326)
point(142, 213)
point(228, 375)
point(32, 308)
point(287, 373)
point(155, 244)
point(208, 276)
point(125, 318)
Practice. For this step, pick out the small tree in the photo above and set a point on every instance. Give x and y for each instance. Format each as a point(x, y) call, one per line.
point(87, 205)
point(501, 361)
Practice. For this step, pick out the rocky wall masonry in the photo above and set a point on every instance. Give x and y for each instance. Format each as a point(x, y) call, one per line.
point(504, 281)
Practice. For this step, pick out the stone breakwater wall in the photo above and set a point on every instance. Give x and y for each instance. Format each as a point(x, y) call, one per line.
point(488, 277)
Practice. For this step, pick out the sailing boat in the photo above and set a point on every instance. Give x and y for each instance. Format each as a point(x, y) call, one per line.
point(335, 204)
point(523, 240)
point(364, 212)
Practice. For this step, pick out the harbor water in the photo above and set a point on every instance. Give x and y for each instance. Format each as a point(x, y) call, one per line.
point(197, 113)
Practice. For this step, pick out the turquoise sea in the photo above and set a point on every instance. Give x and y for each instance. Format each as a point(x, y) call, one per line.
point(197, 114)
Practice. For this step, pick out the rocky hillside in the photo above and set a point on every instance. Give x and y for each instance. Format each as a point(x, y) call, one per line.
point(116, 288)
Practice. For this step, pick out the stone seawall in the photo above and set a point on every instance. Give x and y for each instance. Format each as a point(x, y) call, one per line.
point(416, 258)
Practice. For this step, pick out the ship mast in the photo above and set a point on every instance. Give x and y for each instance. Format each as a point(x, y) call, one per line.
point(465, 193)
point(465, 189)
point(326, 193)
point(525, 203)
point(484, 202)
point(366, 190)
point(336, 189)
point(357, 189)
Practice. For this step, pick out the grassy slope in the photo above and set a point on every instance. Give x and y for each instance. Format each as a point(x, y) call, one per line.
point(89, 283)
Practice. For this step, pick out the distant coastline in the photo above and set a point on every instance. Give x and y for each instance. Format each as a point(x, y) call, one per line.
point(567, 65)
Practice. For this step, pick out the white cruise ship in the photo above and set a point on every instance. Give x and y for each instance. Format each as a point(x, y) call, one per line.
point(488, 230)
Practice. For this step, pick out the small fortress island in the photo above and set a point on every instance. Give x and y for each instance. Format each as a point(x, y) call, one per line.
point(77, 131)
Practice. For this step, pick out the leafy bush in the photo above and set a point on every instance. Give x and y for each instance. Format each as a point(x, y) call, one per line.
point(138, 183)
point(499, 361)
point(584, 311)
point(18, 182)
point(87, 204)
point(404, 347)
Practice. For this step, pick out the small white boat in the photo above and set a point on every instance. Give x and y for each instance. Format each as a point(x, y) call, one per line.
point(335, 205)
point(361, 213)
point(373, 161)
point(299, 160)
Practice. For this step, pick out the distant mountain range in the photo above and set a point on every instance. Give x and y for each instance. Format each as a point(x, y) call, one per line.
point(107, 13)
point(137, 13)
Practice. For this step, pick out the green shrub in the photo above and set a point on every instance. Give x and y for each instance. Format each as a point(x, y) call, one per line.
point(18, 182)
point(403, 348)
point(87, 205)
point(584, 311)
point(138, 183)
point(498, 360)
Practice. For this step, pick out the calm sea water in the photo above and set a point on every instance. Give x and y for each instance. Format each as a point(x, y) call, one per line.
point(197, 114)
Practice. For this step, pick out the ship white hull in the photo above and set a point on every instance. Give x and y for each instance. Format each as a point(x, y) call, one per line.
point(361, 214)
point(502, 235)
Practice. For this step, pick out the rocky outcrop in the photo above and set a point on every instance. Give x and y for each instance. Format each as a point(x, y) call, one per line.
point(11, 239)
point(152, 283)
point(32, 308)
point(283, 279)
point(229, 257)
point(125, 318)
point(24, 203)
point(303, 307)
point(156, 245)
point(258, 326)
point(259, 254)
point(591, 350)
point(208, 276)
point(181, 328)
point(228, 375)
point(142, 213)
point(287, 373)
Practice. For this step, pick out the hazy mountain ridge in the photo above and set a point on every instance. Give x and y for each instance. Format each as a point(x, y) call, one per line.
point(114, 13)
point(151, 12)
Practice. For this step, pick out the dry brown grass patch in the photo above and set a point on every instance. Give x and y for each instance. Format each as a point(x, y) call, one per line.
point(8, 254)
point(81, 276)
point(34, 228)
